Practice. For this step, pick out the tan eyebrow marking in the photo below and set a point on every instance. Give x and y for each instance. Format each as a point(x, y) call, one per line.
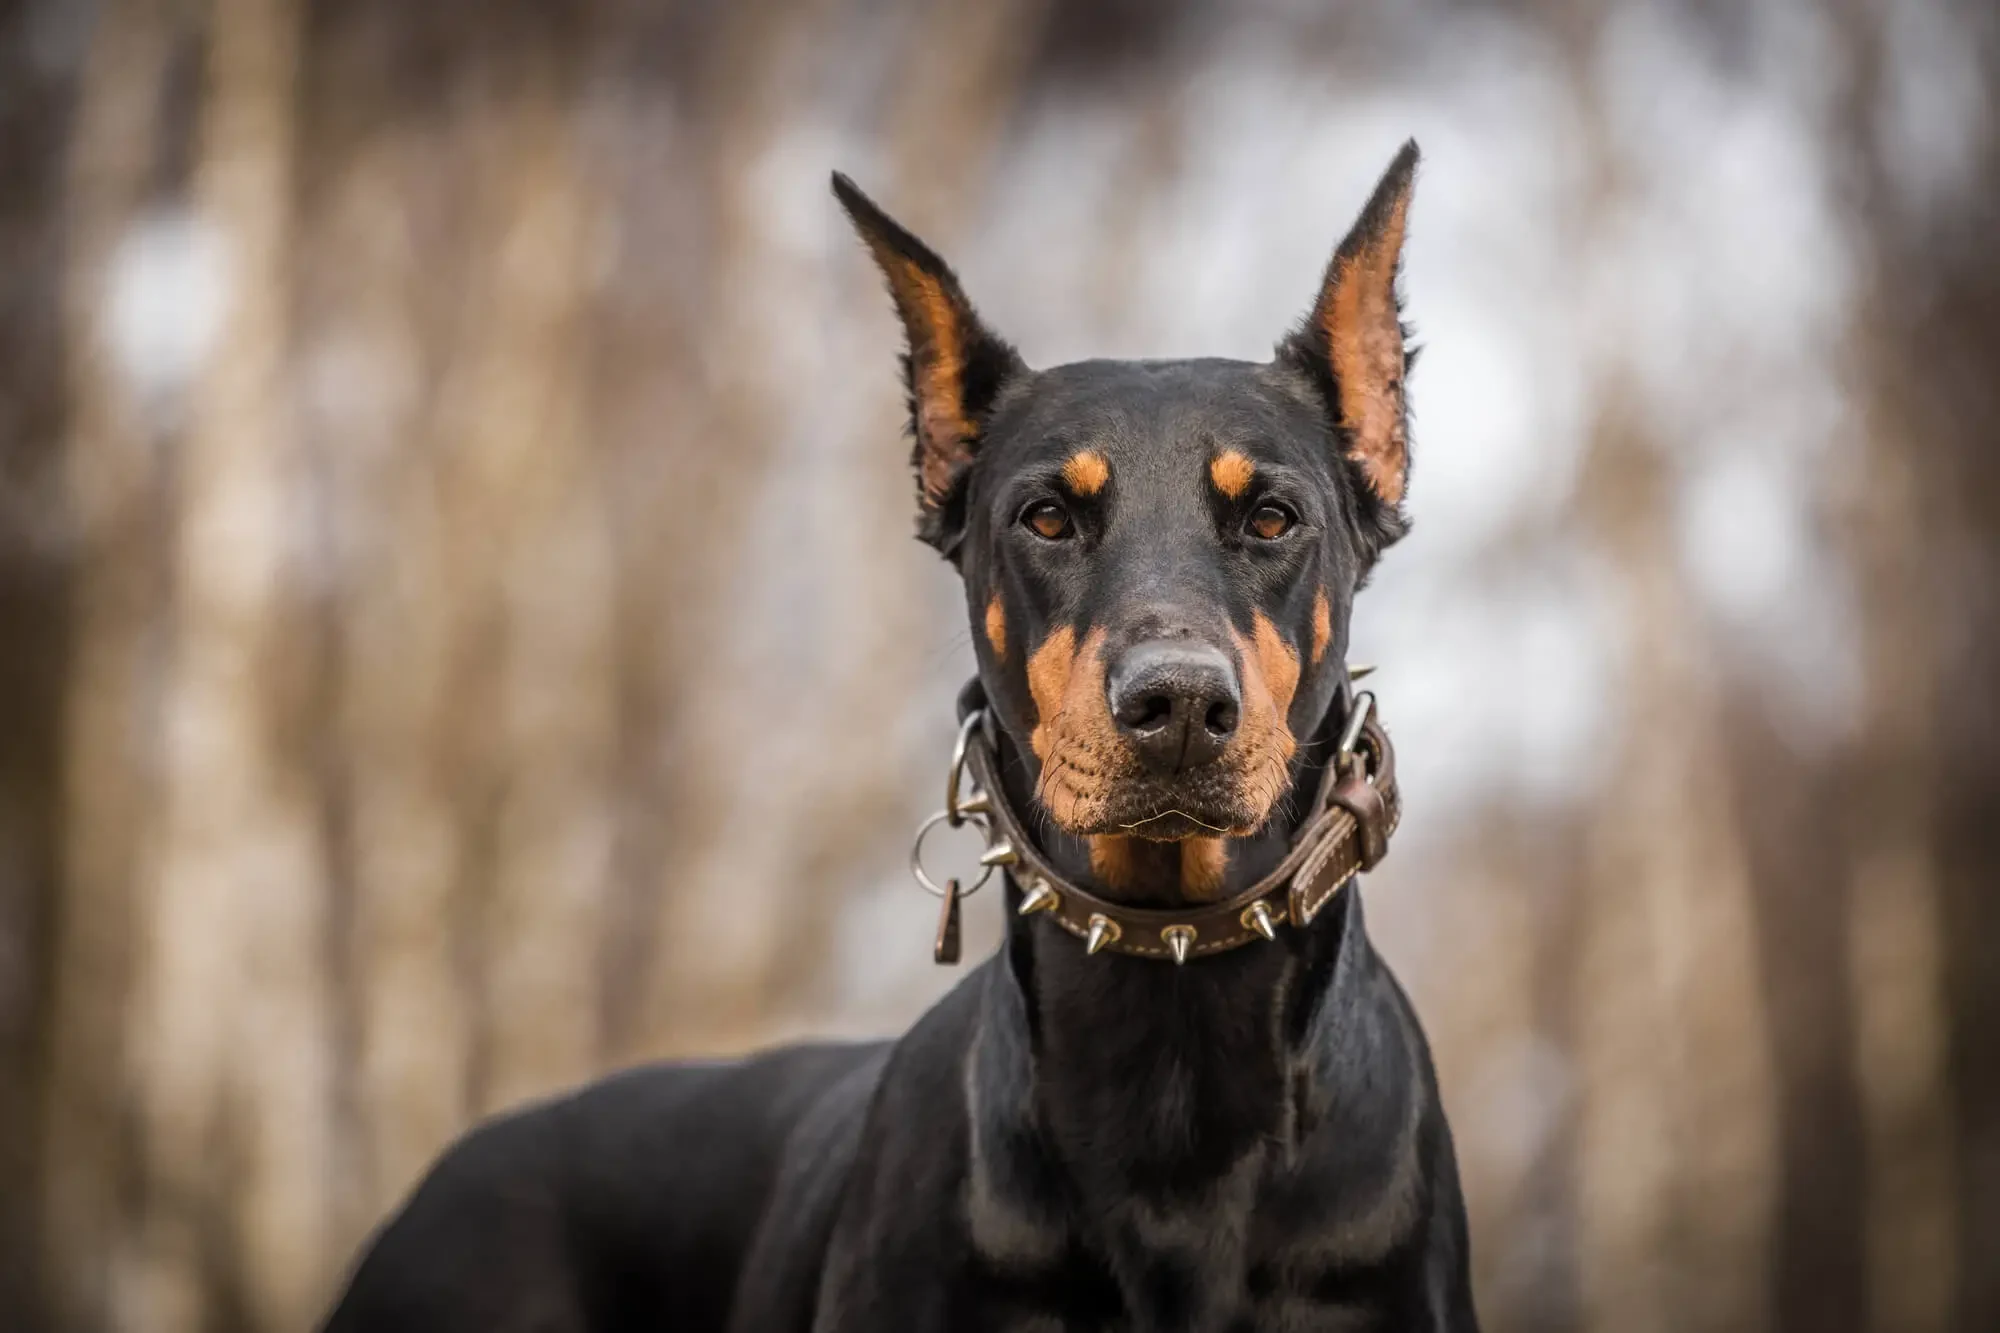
point(996, 627)
point(1086, 473)
point(1231, 472)
point(1322, 625)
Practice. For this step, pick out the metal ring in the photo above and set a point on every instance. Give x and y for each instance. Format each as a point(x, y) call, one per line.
point(1350, 732)
point(931, 886)
point(958, 749)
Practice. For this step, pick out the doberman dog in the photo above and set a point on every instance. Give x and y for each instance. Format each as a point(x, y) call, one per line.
point(1185, 1093)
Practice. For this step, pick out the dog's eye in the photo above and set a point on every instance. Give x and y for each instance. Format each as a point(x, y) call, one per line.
point(1271, 522)
point(1047, 519)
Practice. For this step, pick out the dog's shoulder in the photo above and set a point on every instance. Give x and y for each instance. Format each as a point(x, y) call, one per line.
point(900, 1220)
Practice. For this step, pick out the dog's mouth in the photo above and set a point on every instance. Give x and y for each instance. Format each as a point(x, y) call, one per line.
point(1215, 801)
point(1167, 812)
point(1176, 825)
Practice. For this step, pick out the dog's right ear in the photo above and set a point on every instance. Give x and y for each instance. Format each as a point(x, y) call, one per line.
point(954, 367)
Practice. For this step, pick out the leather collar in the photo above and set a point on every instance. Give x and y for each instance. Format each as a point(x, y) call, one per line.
point(1353, 814)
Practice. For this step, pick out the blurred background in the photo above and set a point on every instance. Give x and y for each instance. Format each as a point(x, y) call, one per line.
point(459, 631)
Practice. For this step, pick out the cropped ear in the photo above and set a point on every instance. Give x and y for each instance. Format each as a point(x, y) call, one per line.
point(954, 367)
point(1352, 344)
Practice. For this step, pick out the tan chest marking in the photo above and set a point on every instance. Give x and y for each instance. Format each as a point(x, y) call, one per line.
point(1204, 861)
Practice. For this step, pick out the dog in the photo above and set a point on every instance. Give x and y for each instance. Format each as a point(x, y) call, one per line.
point(1185, 1093)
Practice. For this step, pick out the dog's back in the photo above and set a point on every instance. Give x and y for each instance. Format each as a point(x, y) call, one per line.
point(630, 1204)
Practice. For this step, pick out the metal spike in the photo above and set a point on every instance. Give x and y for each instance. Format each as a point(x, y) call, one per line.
point(1258, 917)
point(1103, 931)
point(1355, 672)
point(1039, 898)
point(979, 803)
point(1001, 853)
point(1179, 940)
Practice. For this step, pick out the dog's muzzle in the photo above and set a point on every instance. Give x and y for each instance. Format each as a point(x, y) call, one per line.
point(1347, 829)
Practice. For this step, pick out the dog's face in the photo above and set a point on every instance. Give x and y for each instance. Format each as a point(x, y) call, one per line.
point(1160, 557)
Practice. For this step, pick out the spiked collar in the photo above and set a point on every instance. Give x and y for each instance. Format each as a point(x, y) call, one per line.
point(1346, 830)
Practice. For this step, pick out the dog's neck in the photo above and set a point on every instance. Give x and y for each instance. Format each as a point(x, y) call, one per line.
point(1117, 1099)
point(1150, 1073)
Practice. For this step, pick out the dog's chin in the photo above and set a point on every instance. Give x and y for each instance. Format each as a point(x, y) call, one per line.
point(1171, 812)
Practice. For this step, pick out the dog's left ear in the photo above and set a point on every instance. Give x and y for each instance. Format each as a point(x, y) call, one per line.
point(1352, 344)
point(954, 367)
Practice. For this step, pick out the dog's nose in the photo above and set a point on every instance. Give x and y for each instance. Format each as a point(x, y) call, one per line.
point(1176, 701)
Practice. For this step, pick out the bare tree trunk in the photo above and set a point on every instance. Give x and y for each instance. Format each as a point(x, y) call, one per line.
point(535, 544)
point(116, 483)
point(1924, 930)
point(229, 1031)
point(1675, 1132)
point(35, 592)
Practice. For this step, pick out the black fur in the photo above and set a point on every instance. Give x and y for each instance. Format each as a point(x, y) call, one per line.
point(1250, 1142)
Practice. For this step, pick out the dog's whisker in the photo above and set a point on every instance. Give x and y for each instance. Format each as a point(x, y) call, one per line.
point(1167, 814)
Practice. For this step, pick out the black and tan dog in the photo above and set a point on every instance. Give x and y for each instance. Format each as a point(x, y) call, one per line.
point(1186, 1094)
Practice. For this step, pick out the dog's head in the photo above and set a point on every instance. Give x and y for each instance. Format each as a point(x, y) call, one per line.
point(1160, 556)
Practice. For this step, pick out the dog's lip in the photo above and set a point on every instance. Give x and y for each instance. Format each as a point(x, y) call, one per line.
point(1173, 826)
point(1174, 823)
point(1170, 816)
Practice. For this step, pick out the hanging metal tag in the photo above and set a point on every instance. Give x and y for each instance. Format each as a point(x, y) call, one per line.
point(945, 949)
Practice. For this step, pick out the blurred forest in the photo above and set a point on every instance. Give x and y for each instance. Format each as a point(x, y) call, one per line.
point(459, 630)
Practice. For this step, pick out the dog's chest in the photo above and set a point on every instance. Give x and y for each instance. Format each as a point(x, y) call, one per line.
point(1214, 1187)
point(1261, 1250)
